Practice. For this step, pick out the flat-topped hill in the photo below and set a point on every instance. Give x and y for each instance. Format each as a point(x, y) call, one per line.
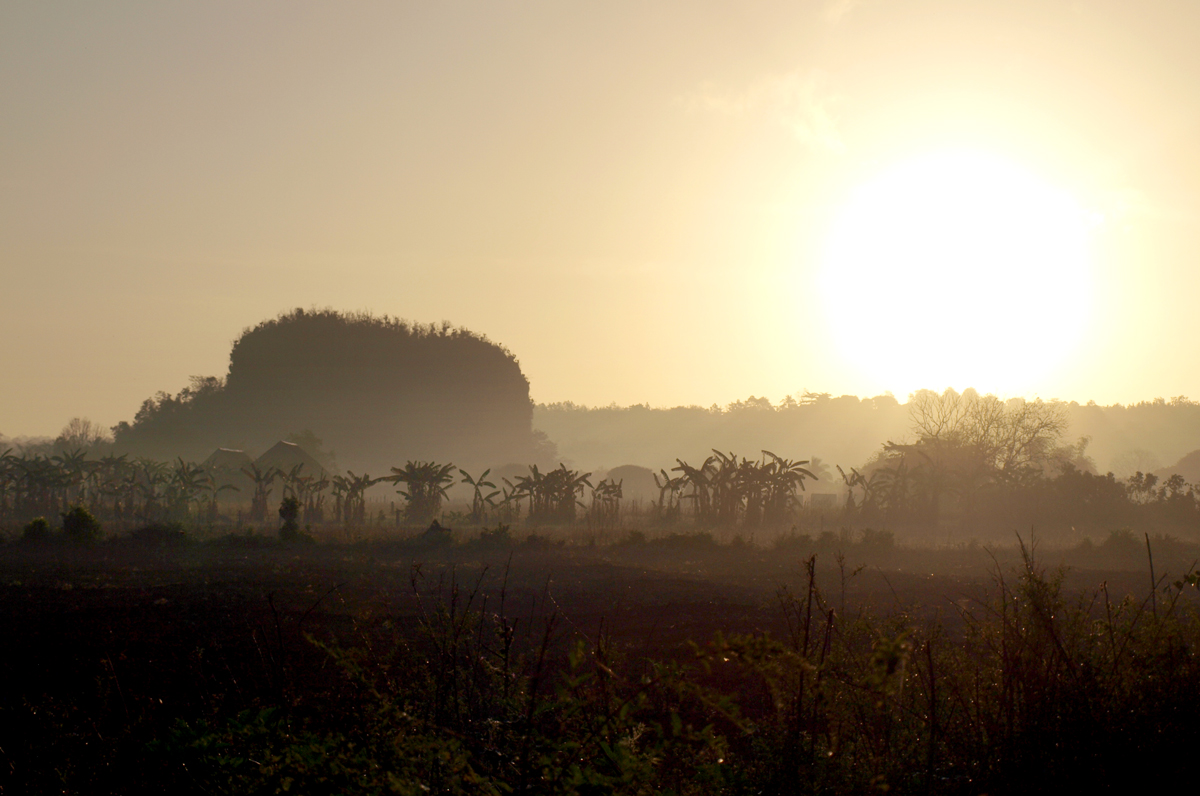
point(377, 390)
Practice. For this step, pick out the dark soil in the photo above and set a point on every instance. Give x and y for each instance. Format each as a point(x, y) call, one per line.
point(107, 647)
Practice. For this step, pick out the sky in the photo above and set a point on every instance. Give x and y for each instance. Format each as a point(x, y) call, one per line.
point(635, 198)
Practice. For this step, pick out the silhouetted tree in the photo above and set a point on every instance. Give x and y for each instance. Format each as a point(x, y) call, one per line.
point(480, 502)
point(426, 484)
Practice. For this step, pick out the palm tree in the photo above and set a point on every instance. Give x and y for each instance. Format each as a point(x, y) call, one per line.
point(605, 511)
point(349, 490)
point(554, 495)
point(75, 469)
point(426, 482)
point(263, 481)
point(183, 487)
point(212, 512)
point(480, 502)
point(669, 489)
point(314, 502)
point(150, 476)
point(784, 476)
point(698, 478)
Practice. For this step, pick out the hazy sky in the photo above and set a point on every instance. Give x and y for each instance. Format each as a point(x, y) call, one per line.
point(634, 197)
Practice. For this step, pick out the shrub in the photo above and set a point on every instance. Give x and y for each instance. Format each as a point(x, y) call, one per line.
point(793, 542)
point(432, 537)
point(80, 526)
point(500, 537)
point(289, 512)
point(536, 541)
point(633, 539)
point(878, 541)
point(38, 530)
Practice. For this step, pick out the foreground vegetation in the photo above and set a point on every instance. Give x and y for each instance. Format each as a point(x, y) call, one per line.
point(414, 668)
point(719, 640)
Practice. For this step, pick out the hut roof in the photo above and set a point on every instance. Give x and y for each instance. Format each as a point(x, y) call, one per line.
point(227, 459)
point(286, 455)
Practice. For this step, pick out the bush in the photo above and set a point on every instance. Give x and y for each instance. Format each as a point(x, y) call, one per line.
point(878, 541)
point(80, 526)
point(289, 532)
point(793, 542)
point(536, 541)
point(633, 539)
point(499, 538)
point(432, 537)
point(38, 530)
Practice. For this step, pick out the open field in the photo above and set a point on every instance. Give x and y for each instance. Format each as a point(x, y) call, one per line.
point(133, 668)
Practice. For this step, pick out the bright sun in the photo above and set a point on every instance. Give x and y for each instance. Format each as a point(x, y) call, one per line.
point(961, 269)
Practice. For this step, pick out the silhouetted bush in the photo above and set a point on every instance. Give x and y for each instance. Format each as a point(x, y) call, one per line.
point(289, 512)
point(793, 542)
point(874, 541)
point(535, 541)
point(80, 526)
point(1122, 544)
point(38, 530)
point(632, 539)
point(433, 537)
point(498, 538)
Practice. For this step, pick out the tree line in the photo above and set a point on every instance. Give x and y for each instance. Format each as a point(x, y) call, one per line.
point(974, 466)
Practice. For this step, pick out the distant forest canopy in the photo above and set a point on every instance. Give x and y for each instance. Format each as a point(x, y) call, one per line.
point(375, 390)
point(1150, 436)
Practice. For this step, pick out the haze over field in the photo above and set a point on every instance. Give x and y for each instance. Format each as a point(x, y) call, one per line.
point(447, 396)
point(671, 204)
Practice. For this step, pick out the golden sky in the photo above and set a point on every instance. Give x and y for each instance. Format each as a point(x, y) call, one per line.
point(635, 198)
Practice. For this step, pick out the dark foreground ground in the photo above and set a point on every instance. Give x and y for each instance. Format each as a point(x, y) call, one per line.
point(119, 658)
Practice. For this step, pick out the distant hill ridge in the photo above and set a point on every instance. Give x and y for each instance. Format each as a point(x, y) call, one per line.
point(844, 430)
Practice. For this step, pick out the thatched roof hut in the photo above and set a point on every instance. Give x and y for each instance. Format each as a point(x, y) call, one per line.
point(284, 456)
point(227, 459)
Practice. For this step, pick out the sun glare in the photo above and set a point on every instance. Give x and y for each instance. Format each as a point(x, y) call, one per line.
point(958, 269)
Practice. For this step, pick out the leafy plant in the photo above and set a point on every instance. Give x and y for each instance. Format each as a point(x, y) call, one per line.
point(37, 530)
point(426, 484)
point(80, 526)
point(289, 513)
point(481, 503)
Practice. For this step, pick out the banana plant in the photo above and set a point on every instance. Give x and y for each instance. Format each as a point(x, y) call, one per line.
point(699, 479)
point(264, 480)
point(554, 495)
point(480, 503)
point(669, 490)
point(184, 485)
point(349, 493)
point(605, 509)
point(426, 484)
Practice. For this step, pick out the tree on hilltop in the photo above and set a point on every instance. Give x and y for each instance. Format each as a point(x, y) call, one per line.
point(377, 389)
